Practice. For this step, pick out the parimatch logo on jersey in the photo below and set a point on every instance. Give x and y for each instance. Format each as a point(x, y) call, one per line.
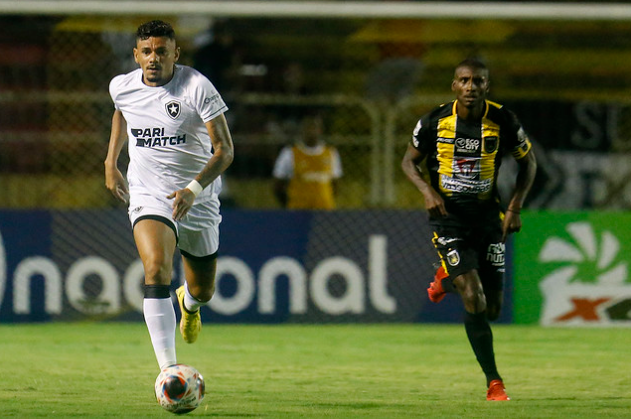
point(154, 137)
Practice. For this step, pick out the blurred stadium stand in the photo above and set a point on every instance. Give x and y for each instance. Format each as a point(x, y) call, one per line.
point(370, 77)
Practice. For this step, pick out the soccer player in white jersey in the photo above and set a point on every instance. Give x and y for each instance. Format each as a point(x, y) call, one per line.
point(179, 144)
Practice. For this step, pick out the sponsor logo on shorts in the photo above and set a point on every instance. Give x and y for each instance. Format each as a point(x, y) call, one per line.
point(495, 254)
point(137, 209)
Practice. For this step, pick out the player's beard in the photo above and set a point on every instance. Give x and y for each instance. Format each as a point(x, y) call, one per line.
point(157, 75)
point(153, 75)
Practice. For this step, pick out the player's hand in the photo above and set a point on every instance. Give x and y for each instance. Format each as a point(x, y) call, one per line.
point(115, 182)
point(512, 224)
point(182, 203)
point(435, 204)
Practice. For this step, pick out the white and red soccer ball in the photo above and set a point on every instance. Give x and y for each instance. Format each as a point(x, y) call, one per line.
point(180, 388)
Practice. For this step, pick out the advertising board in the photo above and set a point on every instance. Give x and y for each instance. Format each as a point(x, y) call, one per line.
point(572, 269)
point(274, 266)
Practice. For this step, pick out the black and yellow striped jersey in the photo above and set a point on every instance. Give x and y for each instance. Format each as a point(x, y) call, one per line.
point(463, 158)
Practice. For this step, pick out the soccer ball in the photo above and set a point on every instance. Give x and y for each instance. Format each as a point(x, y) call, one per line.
point(180, 388)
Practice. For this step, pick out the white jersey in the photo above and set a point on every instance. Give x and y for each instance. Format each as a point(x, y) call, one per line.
point(167, 140)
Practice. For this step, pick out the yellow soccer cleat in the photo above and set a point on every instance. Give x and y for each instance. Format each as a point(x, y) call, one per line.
point(191, 323)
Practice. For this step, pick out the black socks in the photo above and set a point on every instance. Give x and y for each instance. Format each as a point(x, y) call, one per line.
point(481, 338)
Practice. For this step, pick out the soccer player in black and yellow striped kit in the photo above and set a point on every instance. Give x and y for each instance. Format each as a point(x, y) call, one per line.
point(462, 144)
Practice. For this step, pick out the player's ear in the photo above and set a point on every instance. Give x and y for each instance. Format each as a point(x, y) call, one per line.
point(453, 85)
point(136, 56)
point(177, 53)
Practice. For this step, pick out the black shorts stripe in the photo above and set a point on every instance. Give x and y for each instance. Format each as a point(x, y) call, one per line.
point(157, 218)
point(200, 258)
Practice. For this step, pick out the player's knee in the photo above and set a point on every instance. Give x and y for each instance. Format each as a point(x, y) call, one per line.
point(206, 294)
point(479, 302)
point(157, 273)
point(202, 293)
point(493, 312)
point(473, 299)
point(494, 305)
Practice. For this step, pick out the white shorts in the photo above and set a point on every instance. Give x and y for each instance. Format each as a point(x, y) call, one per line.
point(197, 233)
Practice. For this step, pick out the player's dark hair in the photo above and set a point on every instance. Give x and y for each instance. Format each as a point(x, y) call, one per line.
point(155, 28)
point(472, 63)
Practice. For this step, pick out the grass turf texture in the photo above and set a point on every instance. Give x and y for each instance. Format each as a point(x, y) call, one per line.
point(363, 371)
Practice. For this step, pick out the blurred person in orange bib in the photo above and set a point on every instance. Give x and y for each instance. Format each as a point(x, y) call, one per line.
point(307, 172)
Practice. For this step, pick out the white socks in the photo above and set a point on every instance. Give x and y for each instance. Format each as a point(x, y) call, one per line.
point(190, 302)
point(161, 322)
point(160, 318)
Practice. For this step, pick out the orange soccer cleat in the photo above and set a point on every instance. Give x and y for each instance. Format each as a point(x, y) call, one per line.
point(496, 391)
point(435, 291)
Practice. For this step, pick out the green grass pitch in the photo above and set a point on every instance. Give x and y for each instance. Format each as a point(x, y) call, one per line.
point(94, 370)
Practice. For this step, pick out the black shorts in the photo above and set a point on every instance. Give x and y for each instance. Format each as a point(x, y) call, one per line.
point(464, 246)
